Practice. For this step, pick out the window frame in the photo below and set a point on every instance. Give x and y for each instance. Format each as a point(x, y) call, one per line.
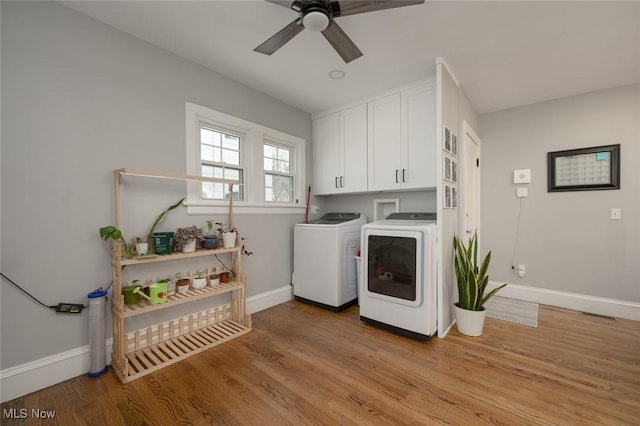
point(252, 139)
point(293, 167)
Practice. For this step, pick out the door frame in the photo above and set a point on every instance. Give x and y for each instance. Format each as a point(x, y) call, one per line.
point(469, 136)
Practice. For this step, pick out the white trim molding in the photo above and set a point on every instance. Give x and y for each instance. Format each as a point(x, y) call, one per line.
point(579, 302)
point(269, 299)
point(30, 377)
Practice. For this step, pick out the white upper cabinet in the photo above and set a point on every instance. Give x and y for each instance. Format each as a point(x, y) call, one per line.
point(419, 137)
point(340, 151)
point(386, 144)
point(401, 139)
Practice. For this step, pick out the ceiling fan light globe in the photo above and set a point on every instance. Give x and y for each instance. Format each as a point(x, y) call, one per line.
point(315, 21)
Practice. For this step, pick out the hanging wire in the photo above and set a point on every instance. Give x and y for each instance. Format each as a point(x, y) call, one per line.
point(34, 298)
point(27, 293)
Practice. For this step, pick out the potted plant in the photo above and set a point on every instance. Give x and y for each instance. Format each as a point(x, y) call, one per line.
point(229, 237)
point(199, 280)
point(210, 241)
point(115, 234)
point(162, 242)
point(472, 282)
point(184, 239)
point(142, 248)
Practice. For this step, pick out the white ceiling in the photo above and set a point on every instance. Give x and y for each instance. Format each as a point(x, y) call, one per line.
point(504, 54)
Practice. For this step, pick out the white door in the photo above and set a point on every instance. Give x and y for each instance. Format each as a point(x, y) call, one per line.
point(470, 195)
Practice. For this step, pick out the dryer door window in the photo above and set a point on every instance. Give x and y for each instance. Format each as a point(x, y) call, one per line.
point(391, 269)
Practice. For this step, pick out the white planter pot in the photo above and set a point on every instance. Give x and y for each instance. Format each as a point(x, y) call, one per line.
point(142, 248)
point(469, 323)
point(229, 239)
point(190, 247)
point(199, 283)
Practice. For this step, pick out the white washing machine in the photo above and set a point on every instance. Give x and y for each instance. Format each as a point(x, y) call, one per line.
point(324, 270)
point(398, 276)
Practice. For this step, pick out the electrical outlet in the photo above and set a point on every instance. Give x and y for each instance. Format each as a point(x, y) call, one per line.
point(521, 270)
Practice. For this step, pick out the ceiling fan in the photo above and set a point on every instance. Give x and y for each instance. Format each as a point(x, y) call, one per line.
point(319, 15)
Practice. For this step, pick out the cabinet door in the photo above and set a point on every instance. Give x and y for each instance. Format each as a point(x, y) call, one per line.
point(353, 137)
point(326, 157)
point(384, 143)
point(419, 137)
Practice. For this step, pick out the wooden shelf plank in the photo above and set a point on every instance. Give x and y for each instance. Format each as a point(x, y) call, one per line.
point(145, 361)
point(177, 256)
point(175, 176)
point(144, 306)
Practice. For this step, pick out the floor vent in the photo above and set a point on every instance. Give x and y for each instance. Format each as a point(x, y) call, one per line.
point(512, 310)
point(591, 314)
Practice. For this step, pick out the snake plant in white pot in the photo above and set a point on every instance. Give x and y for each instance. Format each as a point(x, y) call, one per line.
point(472, 282)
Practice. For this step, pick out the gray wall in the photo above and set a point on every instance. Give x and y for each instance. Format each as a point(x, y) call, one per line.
point(455, 108)
point(410, 201)
point(566, 240)
point(80, 99)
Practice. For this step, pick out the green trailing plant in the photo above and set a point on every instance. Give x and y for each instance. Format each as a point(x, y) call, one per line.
point(111, 232)
point(472, 280)
point(161, 217)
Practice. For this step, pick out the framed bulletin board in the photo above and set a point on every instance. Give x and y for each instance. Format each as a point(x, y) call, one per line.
point(584, 169)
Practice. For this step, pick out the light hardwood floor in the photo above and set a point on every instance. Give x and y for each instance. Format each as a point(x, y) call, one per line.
point(304, 365)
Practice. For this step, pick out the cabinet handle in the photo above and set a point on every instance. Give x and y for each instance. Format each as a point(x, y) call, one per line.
point(396, 175)
point(403, 176)
point(336, 181)
point(341, 181)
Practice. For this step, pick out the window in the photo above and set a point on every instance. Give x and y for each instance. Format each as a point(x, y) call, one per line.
point(219, 153)
point(278, 181)
point(268, 165)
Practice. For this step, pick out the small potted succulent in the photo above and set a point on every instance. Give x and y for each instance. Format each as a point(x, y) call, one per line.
point(228, 235)
point(210, 241)
point(185, 239)
point(199, 280)
point(182, 284)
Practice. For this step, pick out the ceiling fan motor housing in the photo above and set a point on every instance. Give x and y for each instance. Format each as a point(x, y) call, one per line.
point(316, 15)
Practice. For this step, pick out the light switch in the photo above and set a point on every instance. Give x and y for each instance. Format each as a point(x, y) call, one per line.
point(522, 192)
point(616, 214)
point(522, 176)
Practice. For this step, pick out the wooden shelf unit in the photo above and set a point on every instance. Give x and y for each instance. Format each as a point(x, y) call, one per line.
point(156, 347)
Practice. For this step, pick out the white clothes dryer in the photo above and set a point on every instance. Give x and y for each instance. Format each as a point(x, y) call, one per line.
point(324, 260)
point(398, 276)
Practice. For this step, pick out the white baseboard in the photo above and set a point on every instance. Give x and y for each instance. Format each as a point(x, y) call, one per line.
point(578, 302)
point(30, 377)
point(268, 299)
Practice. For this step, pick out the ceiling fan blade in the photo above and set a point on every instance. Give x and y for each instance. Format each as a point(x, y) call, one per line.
point(345, 8)
point(341, 42)
point(280, 38)
point(282, 3)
